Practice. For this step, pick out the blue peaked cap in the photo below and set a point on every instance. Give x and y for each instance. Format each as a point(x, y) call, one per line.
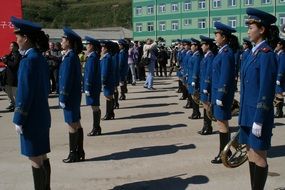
point(25, 26)
point(122, 42)
point(70, 34)
point(220, 27)
point(92, 41)
point(256, 15)
point(195, 41)
point(207, 40)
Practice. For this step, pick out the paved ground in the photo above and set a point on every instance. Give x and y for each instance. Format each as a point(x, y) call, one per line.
point(151, 145)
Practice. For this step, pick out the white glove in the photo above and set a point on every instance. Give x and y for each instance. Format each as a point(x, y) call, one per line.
point(193, 84)
point(87, 93)
point(205, 91)
point(219, 102)
point(256, 129)
point(62, 105)
point(19, 129)
point(278, 82)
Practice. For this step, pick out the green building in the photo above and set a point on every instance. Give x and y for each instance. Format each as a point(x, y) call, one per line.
point(179, 19)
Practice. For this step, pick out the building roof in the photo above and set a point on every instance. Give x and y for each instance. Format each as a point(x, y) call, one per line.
point(111, 33)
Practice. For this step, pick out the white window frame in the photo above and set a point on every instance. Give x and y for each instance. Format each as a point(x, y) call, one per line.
point(139, 27)
point(187, 5)
point(232, 3)
point(282, 19)
point(201, 4)
point(187, 22)
point(282, 1)
point(174, 7)
point(150, 9)
point(248, 2)
point(217, 4)
point(150, 26)
point(139, 10)
point(174, 25)
point(162, 8)
point(162, 26)
point(202, 23)
point(265, 1)
point(215, 19)
point(232, 21)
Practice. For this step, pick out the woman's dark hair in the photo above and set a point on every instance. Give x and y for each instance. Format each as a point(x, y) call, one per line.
point(213, 47)
point(234, 43)
point(15, 45)
point(115, 49)
point(39, 39)
point(271, 34)
point(76, 45)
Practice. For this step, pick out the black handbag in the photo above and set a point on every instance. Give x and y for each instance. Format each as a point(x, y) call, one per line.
point(145, 60)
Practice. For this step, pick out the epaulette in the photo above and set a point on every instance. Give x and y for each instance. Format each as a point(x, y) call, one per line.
point(265, 49)
point(225, 49)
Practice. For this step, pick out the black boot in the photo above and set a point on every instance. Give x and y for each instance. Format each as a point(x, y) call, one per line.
point(48, 171)
point(279, 107)
point(224, 139)
point(251, 172)
point(184, 93)
point(180, 84)
point(123, 91)
point(40, 178)
point(96, 124)
point(196, 113)
point(80, 150)
point(207, 126)
point(116, 100)
point(260, 176)
point(189, 102)
point(73, 156)
point(109, 110)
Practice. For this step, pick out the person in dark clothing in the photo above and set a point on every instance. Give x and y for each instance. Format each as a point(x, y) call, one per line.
point(12, 65)
point(162, 60)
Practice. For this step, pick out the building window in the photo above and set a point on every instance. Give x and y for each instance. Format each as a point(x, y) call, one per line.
point(265, 1)
point(174, 25)
point(232, 21)
point(138, 27)
point(202, 4)
point(217, 3)
point(282, 1)
point(162, 26)
point(174, 7)
point(162, 8)
point(138, 10)
point(187, 22)
point(248, 2)
point(245, 19)
point(202, 23)
point(187, 5)
point(150, 27)
point(218, 19)
point(150, 10)
point(282, 19)
point(232, 3)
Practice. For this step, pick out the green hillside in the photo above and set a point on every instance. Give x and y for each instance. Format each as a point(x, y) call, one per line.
point(79, 13)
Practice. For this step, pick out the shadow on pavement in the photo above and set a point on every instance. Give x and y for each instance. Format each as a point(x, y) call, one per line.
point(152, 97)
point(277, 124)
point(146, 129)
point(5, 111)
point(150, 115)
point(149, 105)
point(276, 151)
point(169, 183)
point(144, 152)
point(148, 91)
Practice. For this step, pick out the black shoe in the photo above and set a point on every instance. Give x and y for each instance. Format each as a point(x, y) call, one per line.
point(95, 132)
point(122, 97)
point(195, 116)
point(80, 150)
point(217, 160)
point(11, 106)
point(109, 117)
point(207, 131)
point(73, 155)
point(40, 178)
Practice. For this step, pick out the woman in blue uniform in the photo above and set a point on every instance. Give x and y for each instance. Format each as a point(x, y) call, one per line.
point(32, 116)
point(193, 75)
point(116, 68)
point(184, 71)
point(209, 50)
point(92, 82)
point(108, 78)
point(124, 67)
point(258, 77)
point(70, 93)
point(223, 83)
point(280, 82)
point(246, 46)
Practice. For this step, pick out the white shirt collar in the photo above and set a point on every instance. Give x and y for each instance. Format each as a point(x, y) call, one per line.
point(280, 51)
point(206, 54)
point(257, 46)
point(221, 49)
point(66, 53)
point(90, 53)
point(27, 51)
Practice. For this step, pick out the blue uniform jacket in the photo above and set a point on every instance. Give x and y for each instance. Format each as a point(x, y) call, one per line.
point(70, 86)
point(193, 70)
point(116, 69)
point(107, 75)
point(281, 72)
point(206, 75)
point(123, 64)
point(223, 80)
point(32, 108)
point(258, 76)
point(182, 55)
point(244, 56)
point(92, 79)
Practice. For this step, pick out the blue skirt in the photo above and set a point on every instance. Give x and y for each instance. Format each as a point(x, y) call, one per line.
point(72, 115)
point(108, 91)
point(93, 100)
point(222, 112)
point(256, 143)
point(35, 143)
